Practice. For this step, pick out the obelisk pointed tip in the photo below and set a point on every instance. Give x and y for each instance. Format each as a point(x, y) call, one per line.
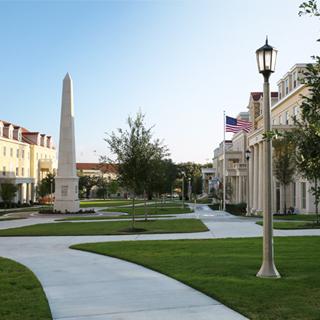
point(67, 77)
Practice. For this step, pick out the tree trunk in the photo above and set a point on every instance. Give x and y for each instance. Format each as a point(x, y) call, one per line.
point(145, 206)
point(133, 212)
point(317, 199)
point(285, 199)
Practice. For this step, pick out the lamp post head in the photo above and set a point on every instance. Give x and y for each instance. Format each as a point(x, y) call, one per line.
point(248, 152)
point(266, 59)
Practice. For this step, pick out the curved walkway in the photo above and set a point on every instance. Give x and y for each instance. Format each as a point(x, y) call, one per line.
point(81, 285)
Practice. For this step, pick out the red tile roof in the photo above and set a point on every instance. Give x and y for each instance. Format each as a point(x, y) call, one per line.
point(257, 95)
point(103, 167)
point(25, 132)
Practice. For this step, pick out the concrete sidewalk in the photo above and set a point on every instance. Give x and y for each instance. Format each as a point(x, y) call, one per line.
point(81, 285)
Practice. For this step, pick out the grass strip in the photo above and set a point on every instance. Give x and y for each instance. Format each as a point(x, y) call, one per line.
point(107, 228)
point(107, 203)
point(21, 294)
point(150, 211)
point(103, 218)
point(292, 225)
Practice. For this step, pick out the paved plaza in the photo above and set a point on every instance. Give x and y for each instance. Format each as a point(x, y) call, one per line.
point(82, 285)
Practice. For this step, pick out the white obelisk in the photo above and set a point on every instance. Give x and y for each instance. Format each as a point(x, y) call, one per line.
point(66, 181)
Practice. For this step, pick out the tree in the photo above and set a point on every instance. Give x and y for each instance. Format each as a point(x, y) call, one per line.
point(102, 187)
point(193, 171)
point(86, 183)
point(135, 151)
point(306, 133)
point(284, 165)
point(306, 136)
point(46, 186)
point(8, 192)
point(113, 187)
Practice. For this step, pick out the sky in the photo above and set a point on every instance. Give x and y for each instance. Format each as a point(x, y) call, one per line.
point(180, 62)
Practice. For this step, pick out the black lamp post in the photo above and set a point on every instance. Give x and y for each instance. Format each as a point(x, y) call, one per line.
point(266, 59)
point(248, 152)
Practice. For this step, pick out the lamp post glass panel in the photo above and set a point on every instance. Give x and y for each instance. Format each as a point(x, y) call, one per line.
point(248, 153)
point(266, 59)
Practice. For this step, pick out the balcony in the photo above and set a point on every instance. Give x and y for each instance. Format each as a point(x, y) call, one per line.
point(45, 164)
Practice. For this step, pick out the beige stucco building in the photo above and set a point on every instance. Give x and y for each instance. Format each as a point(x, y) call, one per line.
point(246, 177)
point(285, 105)
point(25, 158)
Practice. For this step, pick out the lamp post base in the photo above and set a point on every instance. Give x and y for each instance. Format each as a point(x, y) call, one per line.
point(268, 270)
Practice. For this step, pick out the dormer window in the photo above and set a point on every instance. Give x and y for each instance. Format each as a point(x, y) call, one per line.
point(287, 86)
point(294, 79)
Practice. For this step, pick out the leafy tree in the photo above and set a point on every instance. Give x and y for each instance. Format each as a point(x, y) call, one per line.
point(193, 171)
point(86, 183)
point(113, 187)
point(306, 133)
point(284, 164)
point(8, 192)
point(46, 186)
point(306, 136)
point(135, 151)
point(309, 8)
point(103, 186)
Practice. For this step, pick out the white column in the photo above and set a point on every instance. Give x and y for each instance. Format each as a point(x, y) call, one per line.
point(256, 177)
point(251, 178)
point(240, 190)
point(28, 193)
point(261, 196)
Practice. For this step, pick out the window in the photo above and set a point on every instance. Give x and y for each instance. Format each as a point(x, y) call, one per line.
point(286, 118)
point(17, 171)
point(3, 171)
point(4, 151)
point(287, 86)
point(22, 154)
point(17, 153)
point(303, 195)
point(280, 119)
point(22, 172)
point(11, 152)
point(294, 79)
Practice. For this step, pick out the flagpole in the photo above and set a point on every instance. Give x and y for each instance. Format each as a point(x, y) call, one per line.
point(224, 161)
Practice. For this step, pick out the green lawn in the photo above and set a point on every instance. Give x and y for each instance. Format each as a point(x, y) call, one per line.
point(296, 217)
point(225, 270)
point(21, 294)
point(27, 209)
point(292, 225)
point(11, 218)
point(106, 203)
point(175, 204)
point(150, 210)
point(103, 218)
point(107, 228)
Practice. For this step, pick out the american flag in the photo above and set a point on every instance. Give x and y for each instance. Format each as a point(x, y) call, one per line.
point(235, 125)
